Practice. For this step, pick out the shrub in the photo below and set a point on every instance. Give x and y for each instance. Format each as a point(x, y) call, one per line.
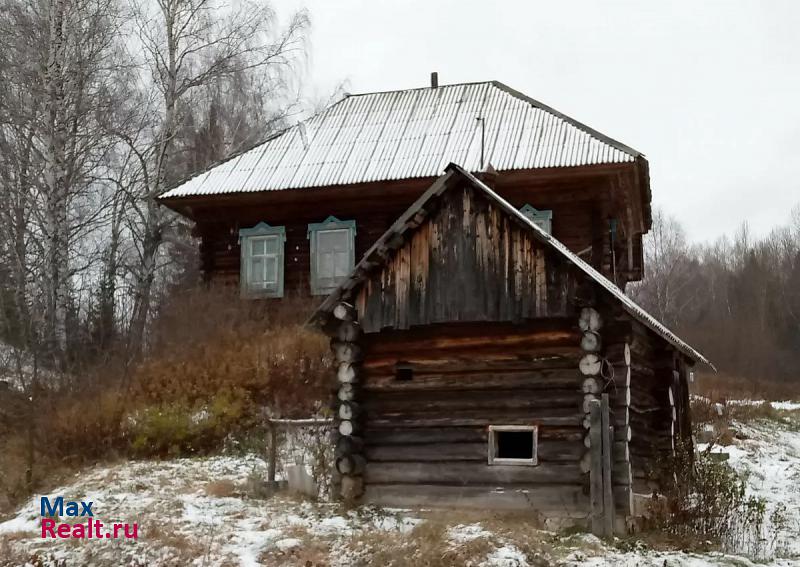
point(707, 500)
point(177, 428)
point(85, 426)
point(217, 366)
point(284, 368)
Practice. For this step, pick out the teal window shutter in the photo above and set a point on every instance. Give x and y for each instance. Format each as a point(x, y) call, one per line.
point(262, 266)
point(333, 253)
point(542, 219)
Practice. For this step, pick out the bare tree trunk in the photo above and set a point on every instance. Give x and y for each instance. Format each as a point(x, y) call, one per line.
point(56, 197)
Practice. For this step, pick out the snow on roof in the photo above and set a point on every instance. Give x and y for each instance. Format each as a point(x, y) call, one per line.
point(359, 273)
point(411, 134)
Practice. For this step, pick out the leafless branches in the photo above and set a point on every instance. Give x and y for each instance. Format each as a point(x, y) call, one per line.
point(737, 299)
point(103, 104)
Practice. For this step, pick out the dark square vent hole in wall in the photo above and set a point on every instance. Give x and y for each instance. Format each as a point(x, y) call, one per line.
point(403, 372)
point(514, 444)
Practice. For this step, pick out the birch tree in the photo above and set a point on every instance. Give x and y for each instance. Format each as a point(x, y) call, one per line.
point(188, 44)
point(667, 287)
point(58, 71)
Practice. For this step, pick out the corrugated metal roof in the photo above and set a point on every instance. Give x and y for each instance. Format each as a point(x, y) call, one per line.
point(361, 271)
point(409, 134)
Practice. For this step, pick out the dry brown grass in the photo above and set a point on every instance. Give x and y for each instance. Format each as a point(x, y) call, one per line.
point(720, 387)
point(722, 416)
point(428, 544)
point(212, 342)
point(221, 489)
point(314, 551)
point(183, 546)
point(212, 354)
point(721, 413)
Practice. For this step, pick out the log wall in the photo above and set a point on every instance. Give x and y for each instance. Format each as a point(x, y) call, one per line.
point(426, 438)
point(656, 407)
point(218, 226)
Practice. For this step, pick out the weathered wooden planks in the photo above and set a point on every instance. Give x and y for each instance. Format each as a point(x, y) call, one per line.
point(460, 473)
point(467, 261)
point(560, 501)
point(547, 451)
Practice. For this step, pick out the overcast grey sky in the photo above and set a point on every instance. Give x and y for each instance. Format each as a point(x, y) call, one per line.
point(709, 91)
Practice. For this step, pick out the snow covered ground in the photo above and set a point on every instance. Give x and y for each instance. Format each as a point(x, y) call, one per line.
point(205, 512)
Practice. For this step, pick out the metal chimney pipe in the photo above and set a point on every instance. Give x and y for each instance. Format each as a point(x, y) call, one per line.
point(434, 80)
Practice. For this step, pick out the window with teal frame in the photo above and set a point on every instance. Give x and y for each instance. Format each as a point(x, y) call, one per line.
point(333, 253)
point(542, 219)
point(262, 260)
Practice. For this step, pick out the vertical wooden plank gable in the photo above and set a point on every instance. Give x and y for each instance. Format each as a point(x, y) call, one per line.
point(467, 261)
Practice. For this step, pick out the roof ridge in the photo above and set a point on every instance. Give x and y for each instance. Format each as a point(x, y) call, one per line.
point(465, 83)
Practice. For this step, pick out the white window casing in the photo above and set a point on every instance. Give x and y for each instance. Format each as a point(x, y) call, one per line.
point(262, 265)
point(332, 253)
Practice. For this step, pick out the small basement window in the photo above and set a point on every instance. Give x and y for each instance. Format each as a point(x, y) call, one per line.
point(513, 444)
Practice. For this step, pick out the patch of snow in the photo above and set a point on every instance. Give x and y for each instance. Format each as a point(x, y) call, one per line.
point(506, 556)
point(288, 543)
point(334, 525)
point(181, 524)
point(786, 405)
point(733, 451)
point(200, 416)
point(22, 522)
point(769, 457)
point(403, 525)
point(462, 533)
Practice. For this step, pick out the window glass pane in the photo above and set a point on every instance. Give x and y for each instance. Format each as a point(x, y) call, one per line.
point(257, 246)
point(272, 245)
point(342, 264)
point(325, 265)
point(326, 283)
point(256, 270)
point(271, 269)
point(333, 240)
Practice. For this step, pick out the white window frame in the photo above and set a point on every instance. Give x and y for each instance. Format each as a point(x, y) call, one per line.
point(261, 232)
point(329, 224)
point(493, 445)
point(543, 219)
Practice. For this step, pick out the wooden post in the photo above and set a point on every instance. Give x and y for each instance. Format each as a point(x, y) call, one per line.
point(601, 447)
point(273, 452)
point(596, 471)
point(607, 432)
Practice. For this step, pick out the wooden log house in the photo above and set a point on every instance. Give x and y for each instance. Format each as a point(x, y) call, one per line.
point(290, 216)
point(486, 349)
point(473, 351)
